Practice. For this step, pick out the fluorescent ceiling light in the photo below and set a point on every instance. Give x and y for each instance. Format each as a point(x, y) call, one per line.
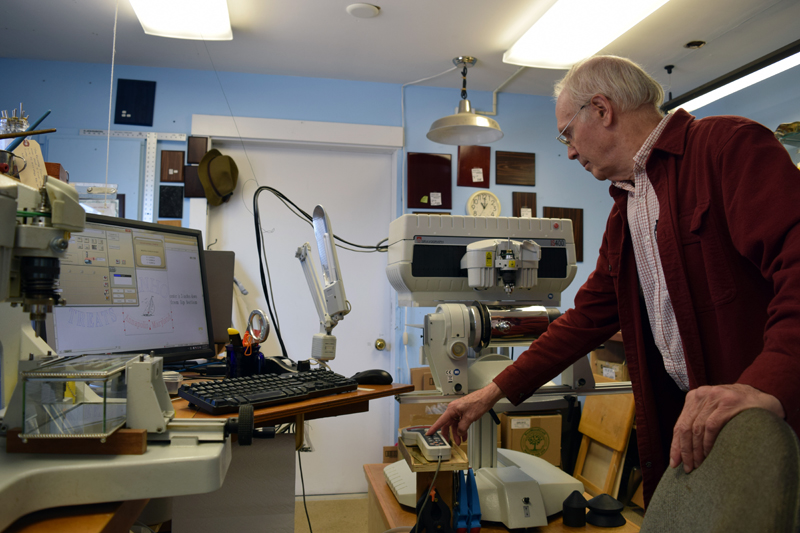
point(205, 20)
point(572, 30)
point(739, 84)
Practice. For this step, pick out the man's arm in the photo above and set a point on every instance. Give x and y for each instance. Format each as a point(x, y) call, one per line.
point(461, 413)
point(594, 320)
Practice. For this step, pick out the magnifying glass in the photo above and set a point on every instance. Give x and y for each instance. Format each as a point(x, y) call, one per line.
point(258, 326)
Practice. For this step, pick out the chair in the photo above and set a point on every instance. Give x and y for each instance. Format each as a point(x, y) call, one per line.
point(606, 426)
point(750, 482)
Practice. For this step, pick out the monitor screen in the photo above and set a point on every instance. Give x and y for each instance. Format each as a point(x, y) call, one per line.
point(133, 287)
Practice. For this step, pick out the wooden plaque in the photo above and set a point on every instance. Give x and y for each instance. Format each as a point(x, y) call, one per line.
point(172, 165)
point(192, 188)
point(523, 200)
point(430, 184)
point(515, 168)
point(473, 166)
point(196, 149)
point(574, 214)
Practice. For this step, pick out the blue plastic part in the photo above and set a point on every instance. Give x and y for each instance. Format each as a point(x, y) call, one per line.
point(473, 502)
point(461, 507)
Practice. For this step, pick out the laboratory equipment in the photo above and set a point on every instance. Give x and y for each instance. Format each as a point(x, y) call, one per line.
point(329, 299)
point(133, 287)
point(265, 390)
point(495, 282)
point(433, 447)
point(186, 456)
point(74, 397)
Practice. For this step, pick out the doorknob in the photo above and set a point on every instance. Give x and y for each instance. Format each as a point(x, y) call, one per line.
point(380, 344)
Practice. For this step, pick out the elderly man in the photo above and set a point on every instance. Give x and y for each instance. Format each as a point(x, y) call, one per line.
point(699, 267)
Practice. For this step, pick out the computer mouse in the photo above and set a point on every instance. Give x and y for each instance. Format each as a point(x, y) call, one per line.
point(375, 376)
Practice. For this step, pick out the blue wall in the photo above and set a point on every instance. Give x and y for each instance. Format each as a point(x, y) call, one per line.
point(78, 95)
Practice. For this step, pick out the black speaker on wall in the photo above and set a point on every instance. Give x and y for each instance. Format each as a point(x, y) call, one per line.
point(135, 102)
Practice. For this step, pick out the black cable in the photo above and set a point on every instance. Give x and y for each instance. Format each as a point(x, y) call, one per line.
point(285, 199)
point(261, 259)
point(425, 501)
point(303, 485)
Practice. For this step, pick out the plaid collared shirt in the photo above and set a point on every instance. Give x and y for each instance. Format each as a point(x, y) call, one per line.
point(643, 211)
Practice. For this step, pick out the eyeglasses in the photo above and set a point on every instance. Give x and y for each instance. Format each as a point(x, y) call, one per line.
point(561, 138)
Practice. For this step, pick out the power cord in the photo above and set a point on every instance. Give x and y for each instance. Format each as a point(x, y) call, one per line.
point(303, 485)
point(266, 281)
point(428, 495)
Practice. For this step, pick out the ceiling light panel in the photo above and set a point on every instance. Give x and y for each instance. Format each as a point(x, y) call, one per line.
point(572, 30)
point(206, 20)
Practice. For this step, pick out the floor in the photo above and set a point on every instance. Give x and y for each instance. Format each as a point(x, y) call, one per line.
point(329, 515)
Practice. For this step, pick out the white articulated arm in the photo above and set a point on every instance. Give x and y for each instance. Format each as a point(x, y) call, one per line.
point(329, 299)
point(335, 299)
point(303, 254)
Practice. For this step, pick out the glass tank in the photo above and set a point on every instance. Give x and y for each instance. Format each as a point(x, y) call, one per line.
point(82, 396)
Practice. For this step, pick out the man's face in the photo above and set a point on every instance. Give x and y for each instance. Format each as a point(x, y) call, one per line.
point(588, 139)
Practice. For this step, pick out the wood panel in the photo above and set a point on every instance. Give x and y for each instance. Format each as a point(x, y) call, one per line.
point(515, 168)
point(196, 149)
point(474, 164)
point(576, 216)
point(172, 165)
point(430, 181)
point(333, 405)
point(111, 517)
point(520, 200)
point(121, 442)
point(192, 188)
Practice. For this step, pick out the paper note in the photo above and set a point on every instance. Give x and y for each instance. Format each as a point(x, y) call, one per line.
point(609, 373)
point(520, 423)
point(525, 212)
point(34, 172)
point(423, 200)
point(436, 199)
point(477, 175)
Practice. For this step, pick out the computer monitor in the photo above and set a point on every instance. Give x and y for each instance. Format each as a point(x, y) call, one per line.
point(133, 287)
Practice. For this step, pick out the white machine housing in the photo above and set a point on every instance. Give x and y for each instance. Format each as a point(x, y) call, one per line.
point(425, 254)
point(469, 268)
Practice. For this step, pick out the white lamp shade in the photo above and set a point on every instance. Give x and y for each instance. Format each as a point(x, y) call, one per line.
point(465, 128)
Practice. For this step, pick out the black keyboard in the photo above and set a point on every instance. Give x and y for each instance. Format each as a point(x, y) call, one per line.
point(225, 396)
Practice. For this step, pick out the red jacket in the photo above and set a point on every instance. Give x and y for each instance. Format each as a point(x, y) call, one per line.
point(729, 240)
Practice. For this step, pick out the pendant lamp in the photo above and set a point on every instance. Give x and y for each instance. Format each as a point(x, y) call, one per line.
point(466, 127)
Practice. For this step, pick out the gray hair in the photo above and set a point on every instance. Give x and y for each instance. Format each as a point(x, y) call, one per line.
point(621, 80)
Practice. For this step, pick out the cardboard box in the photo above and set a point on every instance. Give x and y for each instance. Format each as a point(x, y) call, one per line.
point(390, 454)
point(537, 434)
point(609, 361)
point(615, 371)
point(422, 379)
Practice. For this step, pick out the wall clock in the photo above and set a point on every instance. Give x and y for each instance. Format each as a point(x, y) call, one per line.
point(483, 204)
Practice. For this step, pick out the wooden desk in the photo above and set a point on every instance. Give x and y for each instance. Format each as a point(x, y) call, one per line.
point(386, 513)
point(335, 405)
point(109, 517)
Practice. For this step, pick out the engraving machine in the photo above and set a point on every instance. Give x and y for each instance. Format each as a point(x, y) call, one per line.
point(184, 456)
point(495, 282)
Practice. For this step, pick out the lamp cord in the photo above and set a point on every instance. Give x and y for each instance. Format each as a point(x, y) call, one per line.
point(464, 84)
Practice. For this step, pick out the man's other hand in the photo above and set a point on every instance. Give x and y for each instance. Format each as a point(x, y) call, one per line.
point(705, 412)
point(464, 411)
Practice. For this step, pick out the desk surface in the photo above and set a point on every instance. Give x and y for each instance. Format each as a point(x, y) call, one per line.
point(394, 515)
point(334, 405)
point(94, 518)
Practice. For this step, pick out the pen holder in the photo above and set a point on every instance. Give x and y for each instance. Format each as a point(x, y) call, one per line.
point(238, 365)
